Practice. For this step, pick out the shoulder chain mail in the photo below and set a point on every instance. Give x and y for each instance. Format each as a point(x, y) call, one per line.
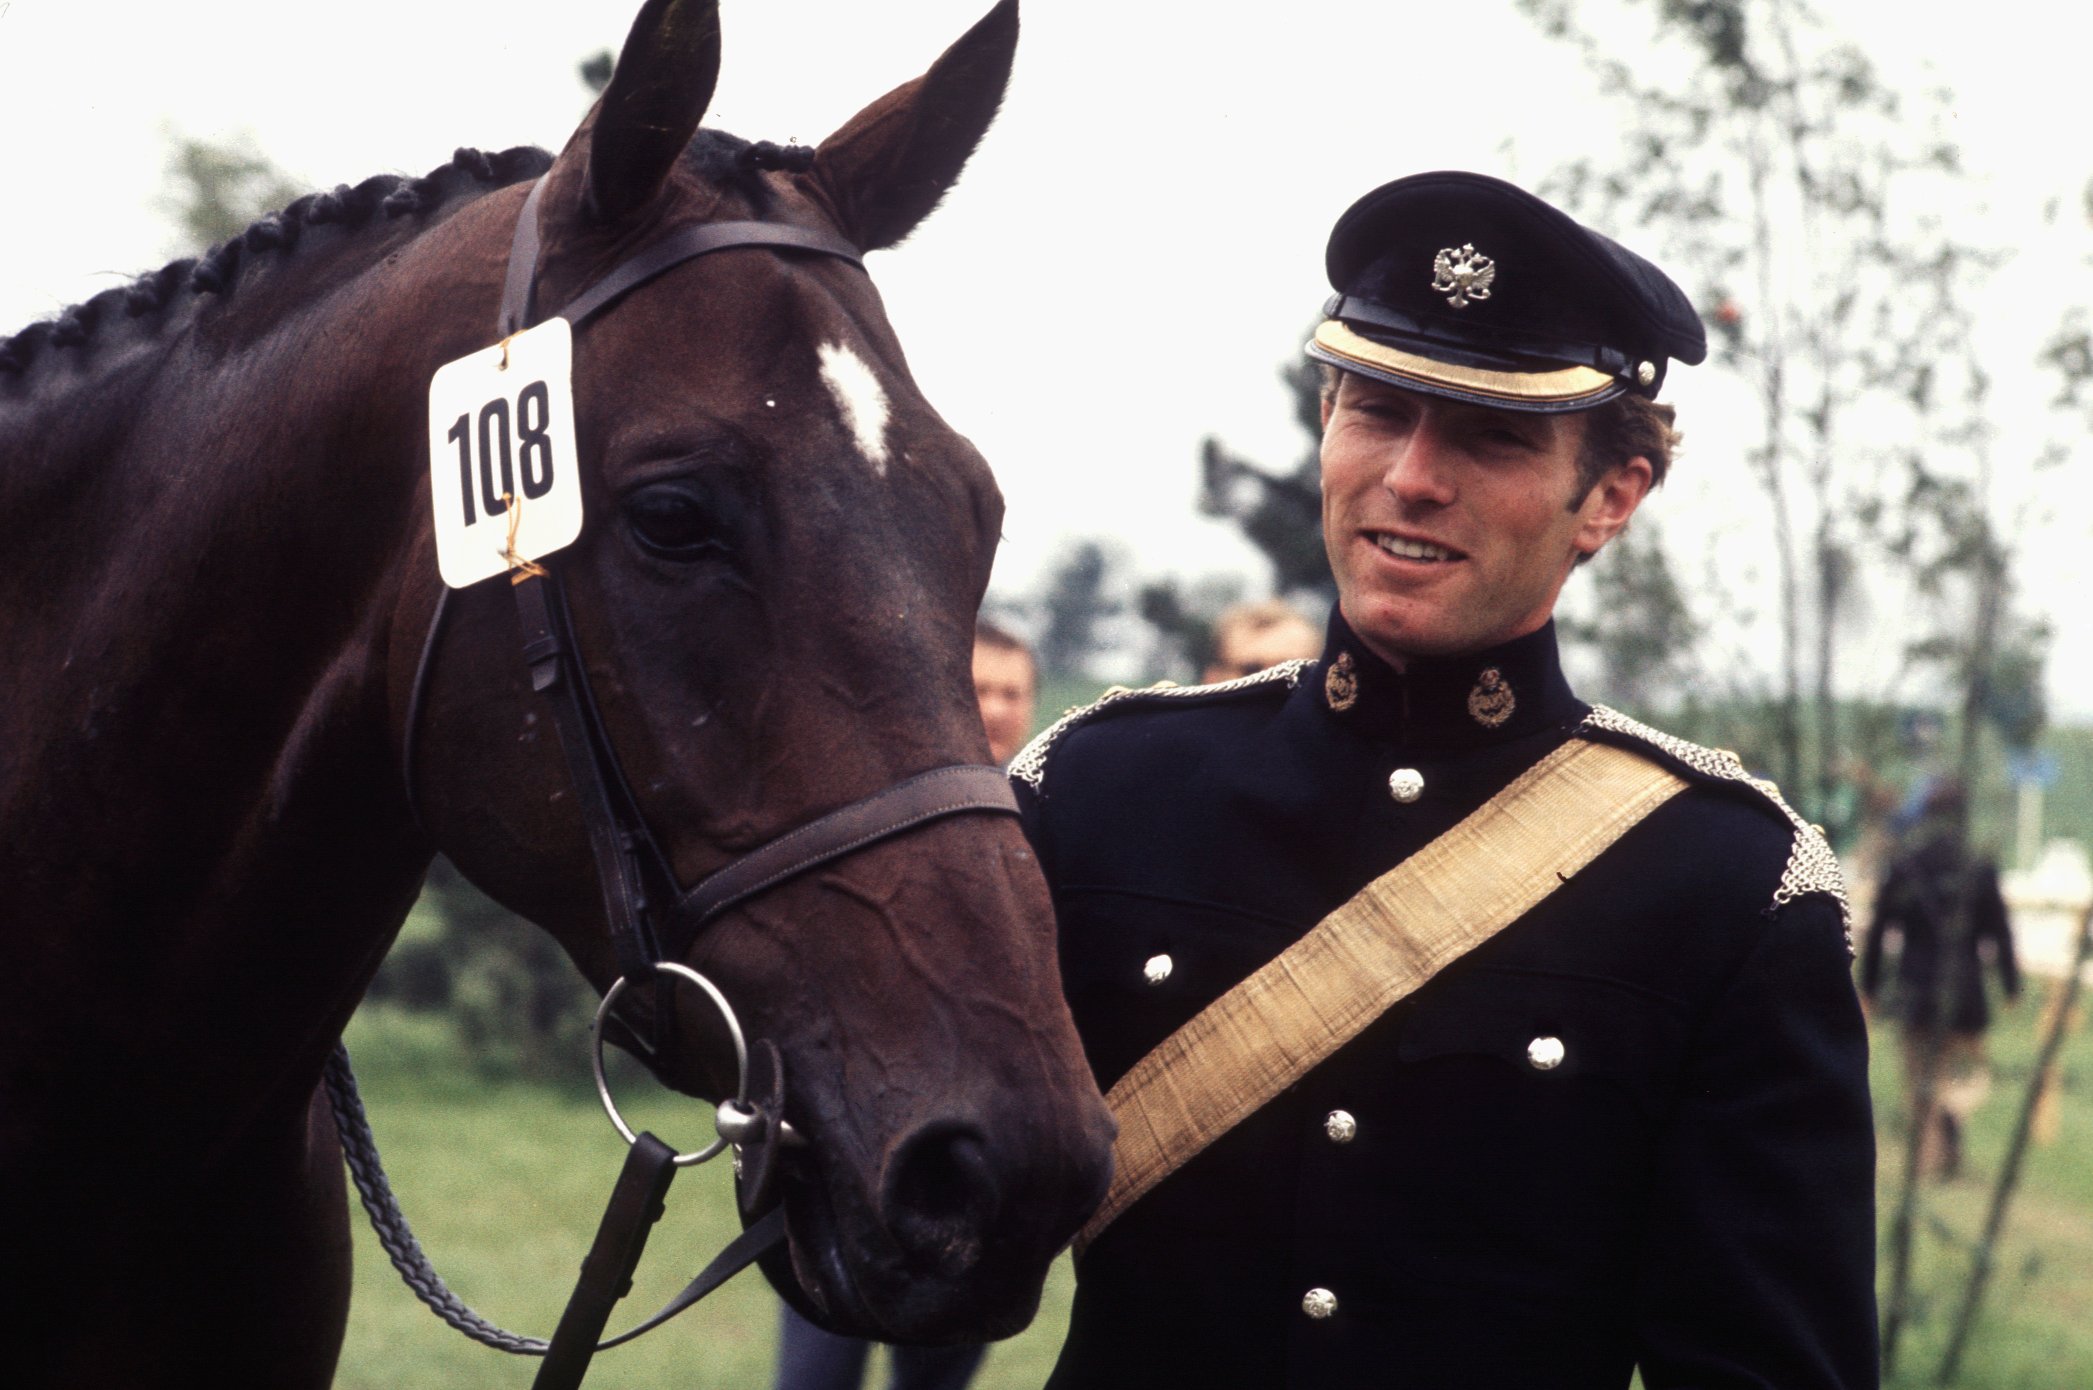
point(1812, 866)
point(1029, 766)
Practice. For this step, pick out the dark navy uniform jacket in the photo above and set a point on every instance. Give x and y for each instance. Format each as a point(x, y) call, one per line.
point(1690, 1187)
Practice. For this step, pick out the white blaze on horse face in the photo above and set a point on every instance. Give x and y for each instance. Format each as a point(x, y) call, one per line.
point(861, 400)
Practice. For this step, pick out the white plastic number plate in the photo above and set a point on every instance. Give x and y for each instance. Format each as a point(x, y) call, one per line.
point(502, 463)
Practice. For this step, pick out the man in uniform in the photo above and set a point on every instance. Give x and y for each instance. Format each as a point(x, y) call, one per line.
point(1623, 1121)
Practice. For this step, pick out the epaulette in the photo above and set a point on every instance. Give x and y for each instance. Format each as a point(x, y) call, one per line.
point(1029, 766)
point(1812, 866)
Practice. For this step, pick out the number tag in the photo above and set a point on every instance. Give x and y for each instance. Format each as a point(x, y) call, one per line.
point(503, 472)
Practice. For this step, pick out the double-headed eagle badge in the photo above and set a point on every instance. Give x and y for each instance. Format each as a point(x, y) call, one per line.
point(1462, 275)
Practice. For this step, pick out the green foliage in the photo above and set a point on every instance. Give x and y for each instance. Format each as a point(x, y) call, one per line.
point(595, 70)
point(1645, 631)
point(1280, 511)
point(215, 188)
point(1076, 602)
point(516, 1003)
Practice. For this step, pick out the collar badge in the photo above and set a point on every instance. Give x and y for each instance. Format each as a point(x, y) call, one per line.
point(1491, 702)
point(1341, 683)
point(1462, 274)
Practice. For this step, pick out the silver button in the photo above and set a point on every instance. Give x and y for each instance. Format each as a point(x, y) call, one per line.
point(1545, 1054)
point(1157, 969)
point(1646, 372)
point(1406, 784)
point(1340, 1127)
point(1319, 1303)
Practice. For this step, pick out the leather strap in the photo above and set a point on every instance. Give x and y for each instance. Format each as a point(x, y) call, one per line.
point(697, 241)
point(606, 1272)
point(928, 796)
point(1381, 946)
point(517, 309)
point(522, 276)
point(614, 837)
point(741, 1252)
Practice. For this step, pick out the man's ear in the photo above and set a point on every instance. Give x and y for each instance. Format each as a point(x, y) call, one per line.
point(1612, 500)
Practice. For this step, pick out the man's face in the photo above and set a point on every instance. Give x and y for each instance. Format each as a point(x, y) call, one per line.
point(1004, 684)
point(1448, 525)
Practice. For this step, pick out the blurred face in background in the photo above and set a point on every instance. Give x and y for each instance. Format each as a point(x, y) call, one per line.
point(1243, 649)
point(1006, 687)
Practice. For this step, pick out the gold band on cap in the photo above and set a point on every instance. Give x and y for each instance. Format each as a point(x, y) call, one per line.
point(1564, 384)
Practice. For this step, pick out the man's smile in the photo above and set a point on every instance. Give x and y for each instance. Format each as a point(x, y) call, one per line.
point(1414, 548)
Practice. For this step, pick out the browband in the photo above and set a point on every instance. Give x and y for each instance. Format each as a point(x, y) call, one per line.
point(636, 270)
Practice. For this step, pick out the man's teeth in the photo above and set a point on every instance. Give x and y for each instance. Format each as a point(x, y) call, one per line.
point(1413, 550)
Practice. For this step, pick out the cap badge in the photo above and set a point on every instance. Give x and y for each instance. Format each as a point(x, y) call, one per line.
point(1491, 702)
point(1462, 275)
point(1341, 683)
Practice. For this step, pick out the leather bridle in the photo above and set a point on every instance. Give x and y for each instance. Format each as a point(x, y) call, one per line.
point(629, 858)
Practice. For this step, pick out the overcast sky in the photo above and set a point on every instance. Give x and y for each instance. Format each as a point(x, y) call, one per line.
point(1135, 249)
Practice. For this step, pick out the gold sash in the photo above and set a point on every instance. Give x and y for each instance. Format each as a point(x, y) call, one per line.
point(1390, 938)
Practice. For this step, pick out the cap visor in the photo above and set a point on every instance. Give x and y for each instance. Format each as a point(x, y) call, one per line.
point(1558, 389)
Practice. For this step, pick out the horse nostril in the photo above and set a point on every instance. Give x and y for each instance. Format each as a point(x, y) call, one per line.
point(941, 1198)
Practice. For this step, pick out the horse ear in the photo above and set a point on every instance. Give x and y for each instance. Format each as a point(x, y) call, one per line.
point(890, 164)
point(657, 95)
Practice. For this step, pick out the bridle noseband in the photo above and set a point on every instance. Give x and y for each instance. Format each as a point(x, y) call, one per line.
point(626, 853)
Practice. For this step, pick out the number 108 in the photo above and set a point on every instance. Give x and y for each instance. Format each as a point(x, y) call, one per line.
point(498, 459)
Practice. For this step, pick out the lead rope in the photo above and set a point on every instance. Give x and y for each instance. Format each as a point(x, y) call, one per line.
point(360, 1149)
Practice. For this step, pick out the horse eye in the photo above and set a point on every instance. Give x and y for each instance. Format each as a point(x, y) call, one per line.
point(672, 523)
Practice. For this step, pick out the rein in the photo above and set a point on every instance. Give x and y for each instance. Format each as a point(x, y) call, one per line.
point(628, 858)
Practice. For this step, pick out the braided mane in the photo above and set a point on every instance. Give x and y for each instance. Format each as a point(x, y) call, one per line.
point(714, 154)
point(217, 270)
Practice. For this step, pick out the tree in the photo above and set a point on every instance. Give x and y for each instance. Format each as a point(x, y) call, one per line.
point(214, 189)
point(1645, 630)
point(1804, 202)
point(1280, 511)
point(1075, 603)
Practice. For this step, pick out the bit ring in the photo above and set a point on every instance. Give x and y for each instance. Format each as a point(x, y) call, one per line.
point(741, 1056)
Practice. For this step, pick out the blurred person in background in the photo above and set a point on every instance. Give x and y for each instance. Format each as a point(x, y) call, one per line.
point(1253, 637)
point(1006, 685)
point(1939, 912)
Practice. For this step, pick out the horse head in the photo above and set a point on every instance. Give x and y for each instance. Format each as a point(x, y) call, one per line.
point(773, 601)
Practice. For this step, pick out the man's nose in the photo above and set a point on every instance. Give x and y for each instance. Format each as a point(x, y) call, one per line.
point(1420, 473)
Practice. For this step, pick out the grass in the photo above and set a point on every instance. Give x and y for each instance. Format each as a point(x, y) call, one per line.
point(504, 1184)
point(2035, 1331)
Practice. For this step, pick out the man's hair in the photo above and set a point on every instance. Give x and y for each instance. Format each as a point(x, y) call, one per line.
point(1624, 427)
point(988, 634)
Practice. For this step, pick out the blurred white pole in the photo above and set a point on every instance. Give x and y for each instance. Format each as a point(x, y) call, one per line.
point(2027, 831)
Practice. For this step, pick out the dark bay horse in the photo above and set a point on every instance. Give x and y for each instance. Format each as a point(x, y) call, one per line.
point(217, 577)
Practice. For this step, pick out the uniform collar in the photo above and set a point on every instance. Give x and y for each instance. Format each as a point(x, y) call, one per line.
point(1456, 702)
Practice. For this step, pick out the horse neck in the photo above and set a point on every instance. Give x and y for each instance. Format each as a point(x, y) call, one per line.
point(211, 538)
